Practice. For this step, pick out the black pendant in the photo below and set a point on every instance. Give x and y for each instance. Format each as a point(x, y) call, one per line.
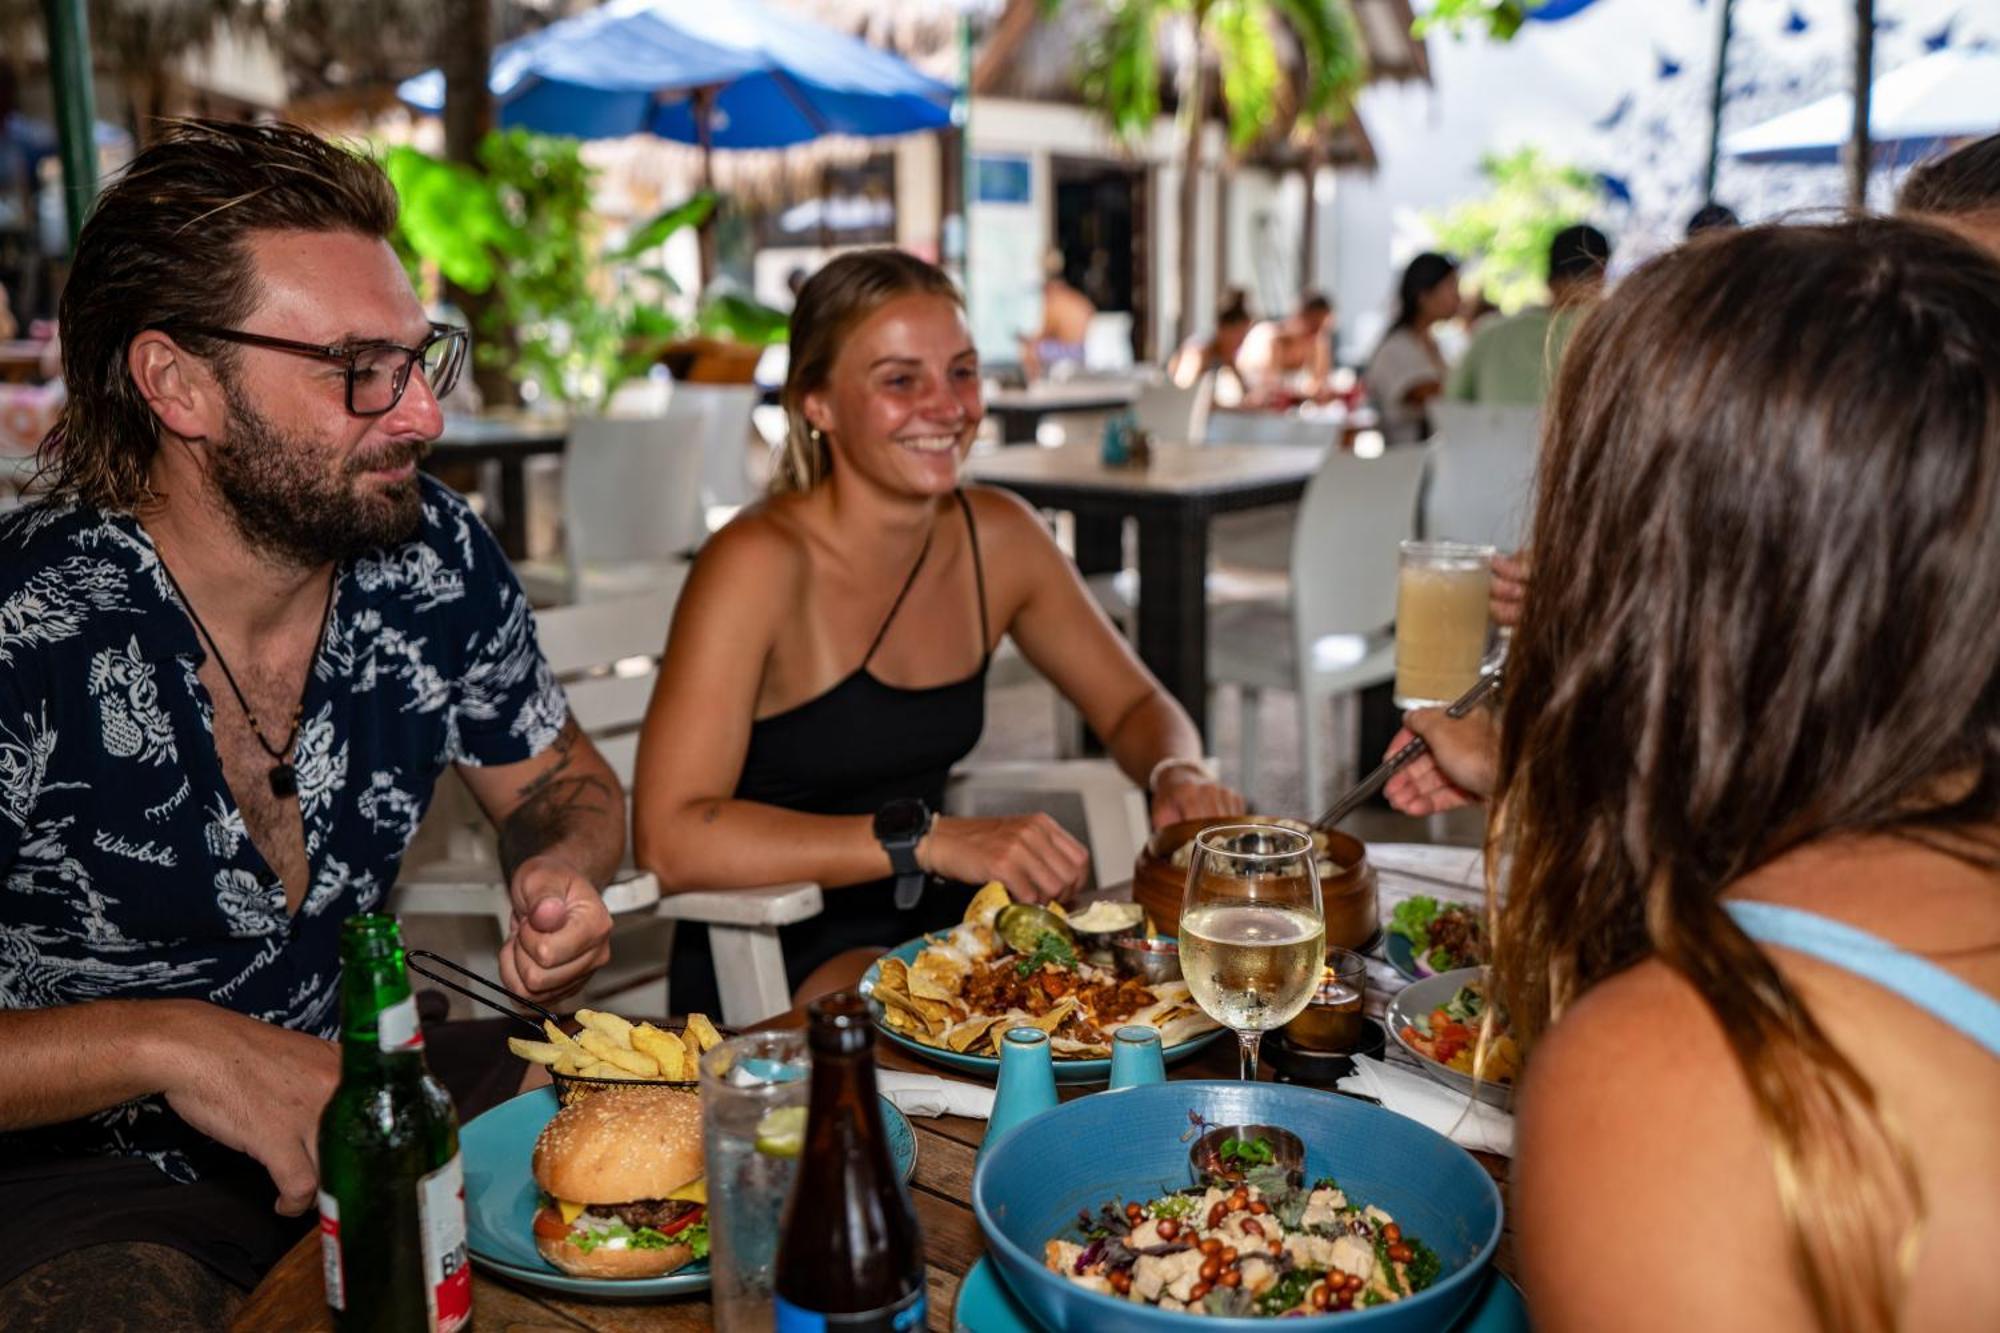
point(284, 781)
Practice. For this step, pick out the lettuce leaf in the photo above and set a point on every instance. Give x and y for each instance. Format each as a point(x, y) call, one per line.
point(645, 1238)
point(1412, 920)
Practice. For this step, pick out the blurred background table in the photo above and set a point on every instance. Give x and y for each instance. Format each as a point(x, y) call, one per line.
point(293, 1295)
point(21, 361)
point(1172, 500)
point(507, 441)
point(1019, 411)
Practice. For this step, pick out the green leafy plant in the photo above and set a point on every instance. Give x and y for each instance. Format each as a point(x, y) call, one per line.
point(1509, 230)
point(1501, 18)
point(571, 317)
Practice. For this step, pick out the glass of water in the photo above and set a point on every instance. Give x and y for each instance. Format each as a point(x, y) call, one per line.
point(753, 1116)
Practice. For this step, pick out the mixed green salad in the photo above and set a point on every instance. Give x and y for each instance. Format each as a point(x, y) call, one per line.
point(1442, 936)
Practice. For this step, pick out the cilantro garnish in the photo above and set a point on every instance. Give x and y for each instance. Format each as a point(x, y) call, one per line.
point(1049, 948)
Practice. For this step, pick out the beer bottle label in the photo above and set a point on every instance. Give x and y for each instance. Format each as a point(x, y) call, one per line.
point(905, 1316)
point(397, 1029)
point(329, 1250)
point(441, 1221)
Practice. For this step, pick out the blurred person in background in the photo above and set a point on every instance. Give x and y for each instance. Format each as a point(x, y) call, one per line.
point(1712, 216)
point(1216, 355)
point(1513, 359)
point(1066, 316)
point(242, 638)
point(1407, 369)
point(8, 327)
point(1290, 358)
point(1959, 191)
point(827, 664)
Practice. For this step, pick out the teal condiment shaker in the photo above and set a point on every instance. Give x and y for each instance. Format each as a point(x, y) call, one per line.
point(1136, 1058)
point(1027, 1082)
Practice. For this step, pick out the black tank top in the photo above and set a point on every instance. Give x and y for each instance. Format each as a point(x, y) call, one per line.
point(850, 751)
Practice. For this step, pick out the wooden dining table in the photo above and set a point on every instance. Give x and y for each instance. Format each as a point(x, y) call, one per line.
point(1019, 411)
point(506, 440)
point(292, 1296)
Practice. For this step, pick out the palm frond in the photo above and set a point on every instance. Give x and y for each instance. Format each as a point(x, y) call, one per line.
point(1333, 59)
point(1120, 72)
point(1252, 81)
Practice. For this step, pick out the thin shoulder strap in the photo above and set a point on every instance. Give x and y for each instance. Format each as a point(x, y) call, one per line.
point(978, 577)
point(1923, 983)
point(897, 605)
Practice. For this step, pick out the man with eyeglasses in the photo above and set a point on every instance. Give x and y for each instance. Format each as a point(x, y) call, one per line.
point(240, 639)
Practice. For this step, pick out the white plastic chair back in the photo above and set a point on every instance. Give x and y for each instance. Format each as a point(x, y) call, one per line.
point(1481, 486)
point(720, 414)
point(632, 493)
point(1344, 553)
point(1172, 414)
point(1107, 341)
point(1232, 427)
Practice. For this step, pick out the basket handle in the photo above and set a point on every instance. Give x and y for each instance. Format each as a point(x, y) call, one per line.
point(488, 1001)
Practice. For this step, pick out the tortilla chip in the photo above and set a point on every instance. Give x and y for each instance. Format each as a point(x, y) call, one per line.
point(1070, 1048)
point(986, 904)
point(1183, 1026)
point(939, 973)
point(971, 1032)
point(894, 974)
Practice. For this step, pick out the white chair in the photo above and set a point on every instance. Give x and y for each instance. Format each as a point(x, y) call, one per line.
point(1172, 414)
point(1333, 635)
point(1107, 341)
point(1481, 485)
point(607, 656)
point(721, 418)
point(631, 504)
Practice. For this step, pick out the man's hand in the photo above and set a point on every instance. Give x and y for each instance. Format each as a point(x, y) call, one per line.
point(1030, 854)
point(1458, 769)
point(561, 934)
point(1189, 793)
point(1510, 588)
point(254, 1087)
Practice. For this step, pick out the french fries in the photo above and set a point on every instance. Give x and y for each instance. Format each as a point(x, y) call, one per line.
point(608, 1046)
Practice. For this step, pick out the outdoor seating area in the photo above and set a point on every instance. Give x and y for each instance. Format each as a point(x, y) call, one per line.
point(1005, 666)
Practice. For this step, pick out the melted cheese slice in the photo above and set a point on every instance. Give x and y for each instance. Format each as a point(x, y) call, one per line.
point(570, 1211)
point(693, 1192)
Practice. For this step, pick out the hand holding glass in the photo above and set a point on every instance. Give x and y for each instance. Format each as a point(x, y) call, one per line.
point(1253, 938)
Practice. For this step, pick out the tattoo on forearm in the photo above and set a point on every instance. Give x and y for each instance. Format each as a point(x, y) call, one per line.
point(551, 803)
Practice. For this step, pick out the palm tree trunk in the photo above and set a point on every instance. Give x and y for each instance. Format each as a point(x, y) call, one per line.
point(1309, 221)
point(467, 38)
point(1860, 152)
point(1196, 114)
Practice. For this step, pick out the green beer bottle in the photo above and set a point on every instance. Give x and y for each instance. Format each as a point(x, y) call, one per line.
point(392, 1189)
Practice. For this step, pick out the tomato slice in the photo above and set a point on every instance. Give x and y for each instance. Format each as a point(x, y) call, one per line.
point(549, 1224)
point(682, 1223)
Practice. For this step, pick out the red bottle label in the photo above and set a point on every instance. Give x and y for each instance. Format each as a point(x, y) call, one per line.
point(329, 1250)
point(447, 1269)
point(397, 1029)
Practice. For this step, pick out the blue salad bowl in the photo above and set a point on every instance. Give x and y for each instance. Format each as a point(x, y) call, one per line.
point(1132, 1145)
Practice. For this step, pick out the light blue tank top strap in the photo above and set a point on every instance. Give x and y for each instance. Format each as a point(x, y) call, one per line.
point(1923, 983)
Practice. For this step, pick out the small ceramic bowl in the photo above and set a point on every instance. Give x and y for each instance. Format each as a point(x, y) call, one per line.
point(1205, 1157)
point(1152, 958)
point(1096, 945)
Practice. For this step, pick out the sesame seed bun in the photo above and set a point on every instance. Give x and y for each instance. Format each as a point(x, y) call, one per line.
point(620, 1145)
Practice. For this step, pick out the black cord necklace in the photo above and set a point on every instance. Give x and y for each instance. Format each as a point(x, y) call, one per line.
point(284, 776)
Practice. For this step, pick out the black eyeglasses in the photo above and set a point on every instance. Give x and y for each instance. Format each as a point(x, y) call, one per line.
point(377, 372)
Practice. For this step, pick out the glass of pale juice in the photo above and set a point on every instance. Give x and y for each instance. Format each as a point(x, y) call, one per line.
point(1253, 938)
point(1442, 620)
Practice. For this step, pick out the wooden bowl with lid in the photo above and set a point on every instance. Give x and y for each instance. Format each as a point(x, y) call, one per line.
point(1346, 879)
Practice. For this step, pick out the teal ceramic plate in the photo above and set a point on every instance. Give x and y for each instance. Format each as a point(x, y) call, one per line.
point(986, 1306)
point(500, 1200)
point(1401, 956)
point(1067, 1070)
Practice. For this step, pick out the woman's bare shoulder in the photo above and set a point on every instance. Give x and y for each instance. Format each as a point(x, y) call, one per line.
point(1005, 517)
point(763, 540)
point(1640, 1159)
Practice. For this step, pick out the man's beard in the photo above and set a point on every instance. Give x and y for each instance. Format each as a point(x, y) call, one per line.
point(273, 486)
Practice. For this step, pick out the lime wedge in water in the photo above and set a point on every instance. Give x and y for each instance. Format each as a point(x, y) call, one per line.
point(782, 1133)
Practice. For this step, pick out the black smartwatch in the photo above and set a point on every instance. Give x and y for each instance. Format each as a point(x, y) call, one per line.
point(899, 827)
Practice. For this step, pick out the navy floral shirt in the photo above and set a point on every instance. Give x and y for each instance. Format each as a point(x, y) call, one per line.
point(125, 868)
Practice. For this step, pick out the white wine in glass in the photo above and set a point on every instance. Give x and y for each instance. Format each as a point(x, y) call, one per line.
point(1253, 940)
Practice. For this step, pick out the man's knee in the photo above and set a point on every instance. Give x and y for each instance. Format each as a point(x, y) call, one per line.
point(128, 1285)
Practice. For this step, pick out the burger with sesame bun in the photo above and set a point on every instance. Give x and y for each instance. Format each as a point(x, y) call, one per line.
point(621, 1176)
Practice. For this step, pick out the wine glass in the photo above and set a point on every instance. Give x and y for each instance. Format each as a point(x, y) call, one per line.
point(1253, 938)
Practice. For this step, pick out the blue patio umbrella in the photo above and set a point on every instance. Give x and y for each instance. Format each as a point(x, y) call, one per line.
point(721, 73)
point(1913, 110)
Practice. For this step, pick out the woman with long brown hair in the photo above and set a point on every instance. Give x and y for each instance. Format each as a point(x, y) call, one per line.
point(828, 660)
point(1746, 829)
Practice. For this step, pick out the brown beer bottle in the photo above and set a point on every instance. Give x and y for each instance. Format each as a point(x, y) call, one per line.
point(850, 1256)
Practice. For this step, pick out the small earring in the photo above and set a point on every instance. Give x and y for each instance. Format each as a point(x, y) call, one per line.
point(815, 434)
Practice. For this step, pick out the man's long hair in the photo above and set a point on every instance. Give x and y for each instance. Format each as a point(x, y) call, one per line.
point(167, 247)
